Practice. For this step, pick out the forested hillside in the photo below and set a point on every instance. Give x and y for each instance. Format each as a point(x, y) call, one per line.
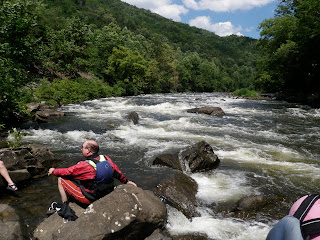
point(64, 51)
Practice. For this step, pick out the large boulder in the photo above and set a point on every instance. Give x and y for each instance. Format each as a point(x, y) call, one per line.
point(44, 114)
point(26, 162)
point(9, 223)
point(41, 112)
point(180, 192)
point(127, 213)
point(216, 111)
point(199, 157)
point(251, 207)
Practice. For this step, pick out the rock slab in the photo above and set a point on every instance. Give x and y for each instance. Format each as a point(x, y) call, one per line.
point(127, 213)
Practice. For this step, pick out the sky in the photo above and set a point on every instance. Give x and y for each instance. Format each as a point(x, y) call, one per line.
point(223, 17)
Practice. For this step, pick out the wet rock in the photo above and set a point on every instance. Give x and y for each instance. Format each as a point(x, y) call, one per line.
point(191, 237)
point(256, 207)
point(9, 223)
point(159, 235)
point(26, 162)
point(180, 192)
point(168, 160)
point(199, 157)
point(127, 213)
point(33, 107)
point(251, 202)
point(216, 111)
point(43, 115)
point(134, 117)
point(41, 112)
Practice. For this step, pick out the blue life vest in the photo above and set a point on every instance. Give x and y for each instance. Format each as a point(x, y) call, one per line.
point(104, 171)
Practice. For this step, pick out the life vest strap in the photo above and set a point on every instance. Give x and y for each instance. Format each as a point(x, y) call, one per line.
point(93, 164)
point(311, 227)
point(305, 206)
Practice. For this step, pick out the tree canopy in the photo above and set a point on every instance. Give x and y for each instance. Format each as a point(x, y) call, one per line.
point(289, 41)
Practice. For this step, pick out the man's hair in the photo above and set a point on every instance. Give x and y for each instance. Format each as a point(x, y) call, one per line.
point(93, 146)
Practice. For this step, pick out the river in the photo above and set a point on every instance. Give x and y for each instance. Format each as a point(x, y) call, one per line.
point(266, 147)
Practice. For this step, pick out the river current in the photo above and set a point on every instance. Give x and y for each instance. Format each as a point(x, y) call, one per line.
point(266, 147)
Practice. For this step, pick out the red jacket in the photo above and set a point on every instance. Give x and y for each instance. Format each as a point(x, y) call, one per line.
point(84, 171)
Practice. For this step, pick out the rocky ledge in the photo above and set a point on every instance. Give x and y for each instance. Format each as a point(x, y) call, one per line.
point(25, 163)
point(127, 213)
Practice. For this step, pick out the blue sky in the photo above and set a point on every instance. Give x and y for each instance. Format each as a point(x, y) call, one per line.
point(223, 17)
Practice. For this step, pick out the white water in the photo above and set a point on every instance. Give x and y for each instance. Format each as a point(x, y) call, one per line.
point(264, 147)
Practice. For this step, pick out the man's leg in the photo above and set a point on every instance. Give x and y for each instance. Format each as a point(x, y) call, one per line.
point(5, 174)
point(62, 192)
point(69, 188)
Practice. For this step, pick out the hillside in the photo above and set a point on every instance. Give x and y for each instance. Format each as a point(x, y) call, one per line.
point(52, 49)
point(144, 22)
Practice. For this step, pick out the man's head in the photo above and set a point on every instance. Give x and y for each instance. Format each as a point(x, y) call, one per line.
point(89, 147)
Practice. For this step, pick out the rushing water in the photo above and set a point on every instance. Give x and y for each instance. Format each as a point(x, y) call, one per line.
point(266, 147)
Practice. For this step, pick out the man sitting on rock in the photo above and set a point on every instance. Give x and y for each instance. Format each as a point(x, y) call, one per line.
point(88, 180)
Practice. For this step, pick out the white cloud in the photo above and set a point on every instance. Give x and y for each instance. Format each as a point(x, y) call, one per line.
point(172, 11)
point(164, 8)
point(222, 28)
point(224, 5)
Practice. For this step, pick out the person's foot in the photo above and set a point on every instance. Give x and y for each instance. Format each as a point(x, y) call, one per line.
point(12, 187)
point(54, 207)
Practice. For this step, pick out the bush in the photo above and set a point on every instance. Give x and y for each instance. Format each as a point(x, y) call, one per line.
point(245, 92)
point(65, 91)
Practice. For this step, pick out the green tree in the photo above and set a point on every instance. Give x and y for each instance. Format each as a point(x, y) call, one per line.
point(129, 70)
point(102, 42)
point(164, 56)
point(65, 49)
point(292, 61)
point(18, 53)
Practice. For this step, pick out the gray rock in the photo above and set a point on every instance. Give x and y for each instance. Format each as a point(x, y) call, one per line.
point(9, 223)
point(191, 237)
point(134, 117)
point(181, 191)
point(216, 111)
point(26, 162)
point(44, 114)
point(168, 160)
point(159, 235)
point(199, 157)
point(127, 213)
point(33, 107)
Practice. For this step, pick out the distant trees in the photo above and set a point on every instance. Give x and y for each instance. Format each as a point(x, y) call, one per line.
point(291, 56)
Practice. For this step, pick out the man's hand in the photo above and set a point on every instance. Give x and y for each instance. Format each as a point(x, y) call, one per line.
point(50, 171)
point(132, 183)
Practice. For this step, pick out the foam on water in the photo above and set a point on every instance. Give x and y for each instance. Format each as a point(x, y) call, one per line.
point(215, 227)
point(222, 186)
point(57, 140)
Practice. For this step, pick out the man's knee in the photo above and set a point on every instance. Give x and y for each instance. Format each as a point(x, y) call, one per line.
point(59, 180)
point(1, 164)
